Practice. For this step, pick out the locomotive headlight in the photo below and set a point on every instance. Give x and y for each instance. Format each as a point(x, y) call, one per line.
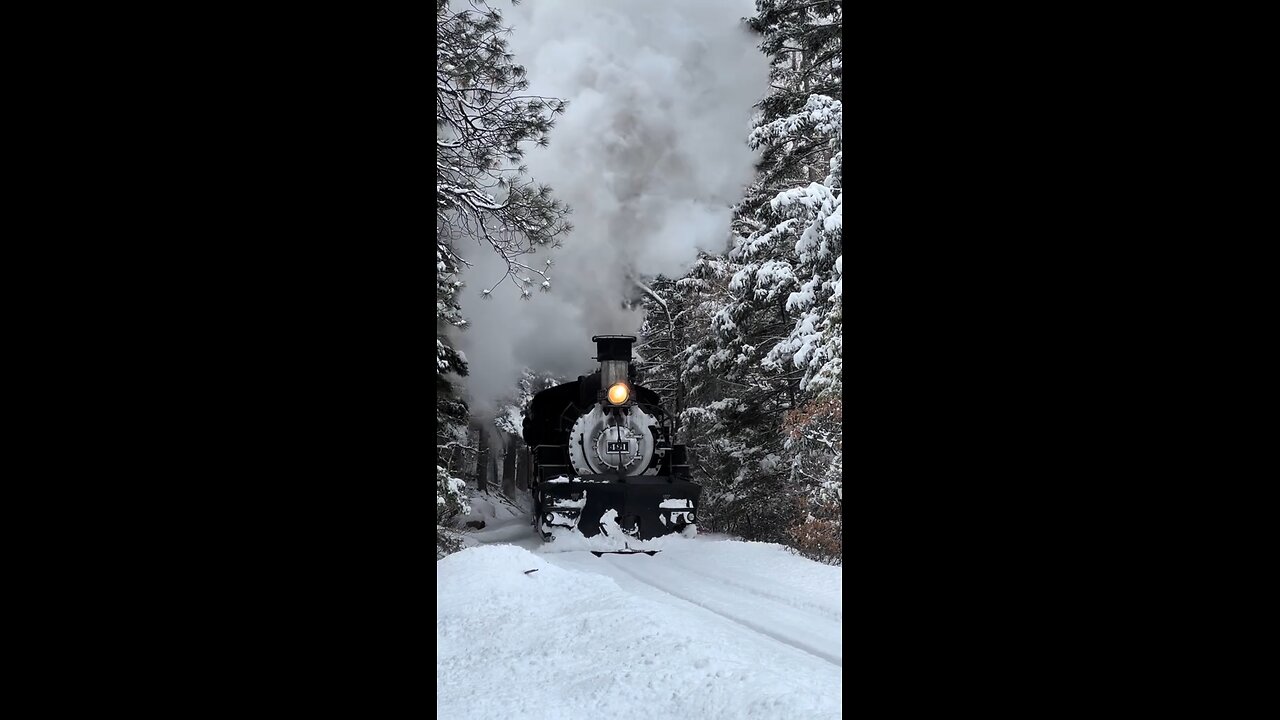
point(618, 393)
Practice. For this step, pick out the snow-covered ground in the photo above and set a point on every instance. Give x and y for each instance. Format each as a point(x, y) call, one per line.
point(708, 628)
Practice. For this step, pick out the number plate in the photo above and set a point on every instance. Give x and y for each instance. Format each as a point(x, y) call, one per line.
point(619, 447)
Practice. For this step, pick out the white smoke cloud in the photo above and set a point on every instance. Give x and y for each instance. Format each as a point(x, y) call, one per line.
point(650, 154)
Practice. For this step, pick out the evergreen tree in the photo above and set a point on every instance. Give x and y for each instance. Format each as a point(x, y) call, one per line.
point(451, 409)
point(731, 422)
point(662, 337)
point(763, 385)
point(451, 501)
point(509, 424)
point(482, 123)
point(802, 40)
point(795, 254)
point(483, 195)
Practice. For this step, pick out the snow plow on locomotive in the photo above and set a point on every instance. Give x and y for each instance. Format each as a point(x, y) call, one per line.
point(602, 456)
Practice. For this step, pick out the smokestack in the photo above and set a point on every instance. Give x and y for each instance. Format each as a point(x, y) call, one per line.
point(614, 354)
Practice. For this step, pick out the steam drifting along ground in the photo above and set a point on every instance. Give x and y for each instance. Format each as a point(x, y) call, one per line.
point(651, 154)
point(708, 628)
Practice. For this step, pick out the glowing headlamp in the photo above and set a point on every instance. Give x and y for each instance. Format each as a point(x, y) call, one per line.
point(618, 393)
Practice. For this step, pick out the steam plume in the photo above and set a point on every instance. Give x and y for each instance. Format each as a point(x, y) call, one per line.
point(650, 155)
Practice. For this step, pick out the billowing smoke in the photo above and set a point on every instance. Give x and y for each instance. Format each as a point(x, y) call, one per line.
point(650, 155)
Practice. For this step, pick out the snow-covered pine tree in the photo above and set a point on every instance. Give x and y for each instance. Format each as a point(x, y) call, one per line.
point(702, 293)
point(734, 445)
point(802, 40)
point(483, 194)
point(509, 423)
point(707, 425)
point(798, 250)
point(806, 225)
point(764, 384)
point(662, 338)
point(451, 409)
point(815, 346)
point(451, 501)
point(483, 120)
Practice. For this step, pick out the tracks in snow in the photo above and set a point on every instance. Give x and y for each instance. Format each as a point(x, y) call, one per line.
point(793, 625)
point(795, 600)
point(791, 609)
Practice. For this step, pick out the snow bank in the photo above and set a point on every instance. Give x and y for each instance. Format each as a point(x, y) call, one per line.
point(490, 507)
point(563, 644)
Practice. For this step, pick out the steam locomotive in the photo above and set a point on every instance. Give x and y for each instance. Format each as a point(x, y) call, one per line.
point(602, 455)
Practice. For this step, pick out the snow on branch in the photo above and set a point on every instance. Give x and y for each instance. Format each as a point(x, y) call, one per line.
point(821, 115)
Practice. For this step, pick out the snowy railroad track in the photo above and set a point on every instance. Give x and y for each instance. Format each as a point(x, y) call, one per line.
point(755, 586)
point(586, 637)
point(829, 610)
point(710, 627)
point(773, 618)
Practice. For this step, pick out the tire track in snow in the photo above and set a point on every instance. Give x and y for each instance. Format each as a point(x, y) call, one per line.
point(735, 618)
